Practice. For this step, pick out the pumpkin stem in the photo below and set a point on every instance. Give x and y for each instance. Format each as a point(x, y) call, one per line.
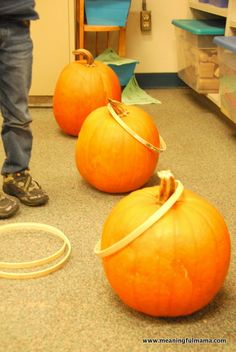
point(118, 107)
point(88, 56)
point(167, 185)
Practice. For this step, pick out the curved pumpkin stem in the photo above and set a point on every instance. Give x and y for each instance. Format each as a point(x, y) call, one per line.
point(167, 185)
point(118, 107)
point(83, 52)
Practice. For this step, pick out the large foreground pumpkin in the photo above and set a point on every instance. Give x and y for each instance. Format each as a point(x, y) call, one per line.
point(171, 266)
point(83, 86)
point(115, 158)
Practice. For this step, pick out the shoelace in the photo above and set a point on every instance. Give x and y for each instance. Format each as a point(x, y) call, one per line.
point(29, 183)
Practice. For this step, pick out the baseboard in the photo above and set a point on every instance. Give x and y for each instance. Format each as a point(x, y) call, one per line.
point(40, 101)
point(159, 80)
point(145, 81)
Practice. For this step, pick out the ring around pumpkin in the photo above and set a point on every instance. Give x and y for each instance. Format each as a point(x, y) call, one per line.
point(178, 264)
point(113, 159)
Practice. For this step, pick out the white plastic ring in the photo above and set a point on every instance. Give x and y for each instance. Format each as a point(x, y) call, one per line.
point(143, 227)
point(134, 134)
point(64, 251)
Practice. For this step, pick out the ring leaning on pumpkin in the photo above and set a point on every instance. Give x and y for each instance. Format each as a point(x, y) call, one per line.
point(165, 250)
point(118, 148)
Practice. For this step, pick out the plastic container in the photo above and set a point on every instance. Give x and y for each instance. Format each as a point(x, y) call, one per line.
point(123, 67)
point(219, 3)
point(227, 68)
point(197, 54)
point(107, 12)
point(124, 71)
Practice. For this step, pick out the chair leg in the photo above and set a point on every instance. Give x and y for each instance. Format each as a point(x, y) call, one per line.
point(121, 44)
point(81, 38)
point(108, 37)
point(96, 44)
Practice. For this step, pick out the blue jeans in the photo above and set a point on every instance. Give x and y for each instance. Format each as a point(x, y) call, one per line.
point(15, 80)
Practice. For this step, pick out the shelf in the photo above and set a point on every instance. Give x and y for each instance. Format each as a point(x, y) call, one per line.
point(233, 24)
point(229, 14)
point(226, 113)
point(215, 98)
point(219, 11)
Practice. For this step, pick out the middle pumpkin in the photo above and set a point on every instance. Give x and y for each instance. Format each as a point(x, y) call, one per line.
point(118, 148)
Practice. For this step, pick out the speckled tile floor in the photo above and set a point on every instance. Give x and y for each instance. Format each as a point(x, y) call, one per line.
point(74, 309)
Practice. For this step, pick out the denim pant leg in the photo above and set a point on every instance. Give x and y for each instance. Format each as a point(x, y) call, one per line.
point(15, 81)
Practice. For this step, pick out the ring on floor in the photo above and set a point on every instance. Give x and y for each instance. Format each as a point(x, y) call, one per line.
point(63, 252)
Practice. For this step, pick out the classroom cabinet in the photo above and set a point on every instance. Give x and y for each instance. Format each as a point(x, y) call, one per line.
point(205, 9)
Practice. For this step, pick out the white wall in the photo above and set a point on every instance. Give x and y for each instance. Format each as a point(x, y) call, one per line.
point(156, 50)
point(53, 38)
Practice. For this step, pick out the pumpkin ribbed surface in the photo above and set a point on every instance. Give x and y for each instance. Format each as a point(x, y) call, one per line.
point(175, 267)
point(80, 89)
point(109, 158)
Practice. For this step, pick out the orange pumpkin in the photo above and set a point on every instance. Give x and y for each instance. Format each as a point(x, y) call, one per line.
point(110, 156)
point(169, 267)
point(83, 86)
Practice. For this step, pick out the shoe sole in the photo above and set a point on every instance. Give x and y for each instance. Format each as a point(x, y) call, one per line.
point(36, 203)
point(10, 213)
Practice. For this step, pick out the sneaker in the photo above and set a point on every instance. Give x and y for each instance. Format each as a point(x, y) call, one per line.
point(8, 206)
point(22, 186)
